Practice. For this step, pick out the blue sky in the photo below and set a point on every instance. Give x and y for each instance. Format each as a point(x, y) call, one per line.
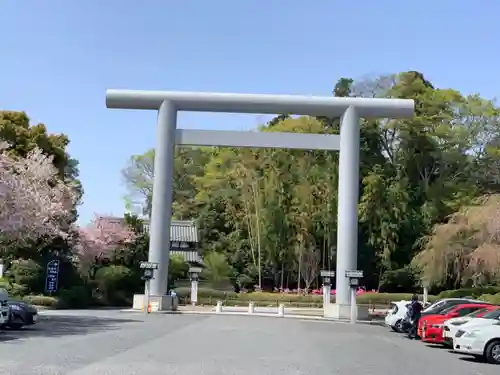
point(58, 57)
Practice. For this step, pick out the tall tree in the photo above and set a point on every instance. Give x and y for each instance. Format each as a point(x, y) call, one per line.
point(16, 130)
point(34, 202)
point(139, 174)
point(264, 209)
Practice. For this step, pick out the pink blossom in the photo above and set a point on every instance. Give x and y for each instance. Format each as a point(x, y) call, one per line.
point(101, 238)
point(34, 202)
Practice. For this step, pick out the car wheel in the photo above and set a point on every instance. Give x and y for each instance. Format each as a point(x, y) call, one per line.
point(492, 352)
point(398, 327)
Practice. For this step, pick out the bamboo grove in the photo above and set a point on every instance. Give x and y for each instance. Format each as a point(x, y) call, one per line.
point(427, 208)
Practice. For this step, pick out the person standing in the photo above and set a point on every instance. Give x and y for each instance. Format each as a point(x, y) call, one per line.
point(415, 314)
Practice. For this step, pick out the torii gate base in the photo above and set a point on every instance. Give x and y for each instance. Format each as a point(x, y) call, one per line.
point(343, 312)
point(169, 103)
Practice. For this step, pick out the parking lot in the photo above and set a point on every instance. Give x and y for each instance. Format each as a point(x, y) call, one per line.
point(112, 342)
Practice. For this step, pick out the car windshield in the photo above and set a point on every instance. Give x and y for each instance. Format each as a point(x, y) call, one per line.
point(446, 310)
point(476, 313)
point(435, 306)
point(494, 314)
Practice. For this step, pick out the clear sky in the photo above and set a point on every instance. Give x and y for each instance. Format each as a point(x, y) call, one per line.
point(57, 58)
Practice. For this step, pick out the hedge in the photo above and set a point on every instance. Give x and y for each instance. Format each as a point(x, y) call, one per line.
point(43, 301)
point(210, 296)
point(469, 292)
point(491, 298)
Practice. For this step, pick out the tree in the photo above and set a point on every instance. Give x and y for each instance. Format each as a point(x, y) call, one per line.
point(217, 270)
point(34, 201)
point(465, 251)
point(23, 138)
point(177, 269)
point(263, 209)
point(99, 241)
point(139, 174)
point(310, 266)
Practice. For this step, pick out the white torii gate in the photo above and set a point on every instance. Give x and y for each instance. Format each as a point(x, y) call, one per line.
point(168, 103)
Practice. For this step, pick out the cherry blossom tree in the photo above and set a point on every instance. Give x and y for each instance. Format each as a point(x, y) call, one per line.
point(34, 201)
point(99, 240)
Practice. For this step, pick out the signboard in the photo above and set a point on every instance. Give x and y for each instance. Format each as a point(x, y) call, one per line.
point(149, 265)
point(52, 276)
point(195, 270)
point(354, 274)
point(325, 273)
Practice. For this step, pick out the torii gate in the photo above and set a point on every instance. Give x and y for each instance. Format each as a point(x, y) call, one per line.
point(168, 103)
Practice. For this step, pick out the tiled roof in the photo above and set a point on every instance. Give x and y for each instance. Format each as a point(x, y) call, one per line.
point(188, 255)
point(180, 230)
point(185, 231)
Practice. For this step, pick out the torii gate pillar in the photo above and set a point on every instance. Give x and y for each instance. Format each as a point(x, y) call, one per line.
point(167, 136)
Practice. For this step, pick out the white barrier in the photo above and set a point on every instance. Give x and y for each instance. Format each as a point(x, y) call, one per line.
point(281, 310)
point(218, 309)
point(251, 308)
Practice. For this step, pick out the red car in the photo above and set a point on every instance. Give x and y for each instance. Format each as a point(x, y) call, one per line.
point(431, 326)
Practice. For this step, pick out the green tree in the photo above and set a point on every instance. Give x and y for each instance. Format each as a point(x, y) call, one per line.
point(138, 176)
point(177, 269)
point(262, 210)
point(217, 270)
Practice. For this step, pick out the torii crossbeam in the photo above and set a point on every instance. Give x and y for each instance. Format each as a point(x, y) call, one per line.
point(168, 103)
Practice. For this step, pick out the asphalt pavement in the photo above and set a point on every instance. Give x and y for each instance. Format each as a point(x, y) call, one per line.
point(113, 342)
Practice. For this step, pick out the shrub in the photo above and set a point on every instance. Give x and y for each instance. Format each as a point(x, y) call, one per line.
point(491, 298)
point(400, 280)
point(12, 288)
point(78, 297)
point(469, 292)
point(115, 284)
point(26, 273)
point(217, 269)
point(40, 300)
point(177, 269)
point(210, 296)
point(185, 292)
point(16, 289)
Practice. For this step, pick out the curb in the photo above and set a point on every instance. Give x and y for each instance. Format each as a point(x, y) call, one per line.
point(263, 315)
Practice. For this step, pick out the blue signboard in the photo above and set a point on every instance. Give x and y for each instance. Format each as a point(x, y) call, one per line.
point(52, 276)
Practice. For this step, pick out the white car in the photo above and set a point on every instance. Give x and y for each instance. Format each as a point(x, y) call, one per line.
point(396, 314)
point(451, 326)
point(4, 307)
point(479, 341)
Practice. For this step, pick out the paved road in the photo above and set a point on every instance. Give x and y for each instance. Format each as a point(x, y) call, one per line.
point(117, 343)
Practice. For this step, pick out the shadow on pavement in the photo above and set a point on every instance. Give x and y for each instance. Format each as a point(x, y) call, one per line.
point(472, 359)
point(437, 346)
point(54, 326)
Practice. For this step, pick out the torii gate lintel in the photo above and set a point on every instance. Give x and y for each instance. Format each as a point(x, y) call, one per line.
point(168, 103)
